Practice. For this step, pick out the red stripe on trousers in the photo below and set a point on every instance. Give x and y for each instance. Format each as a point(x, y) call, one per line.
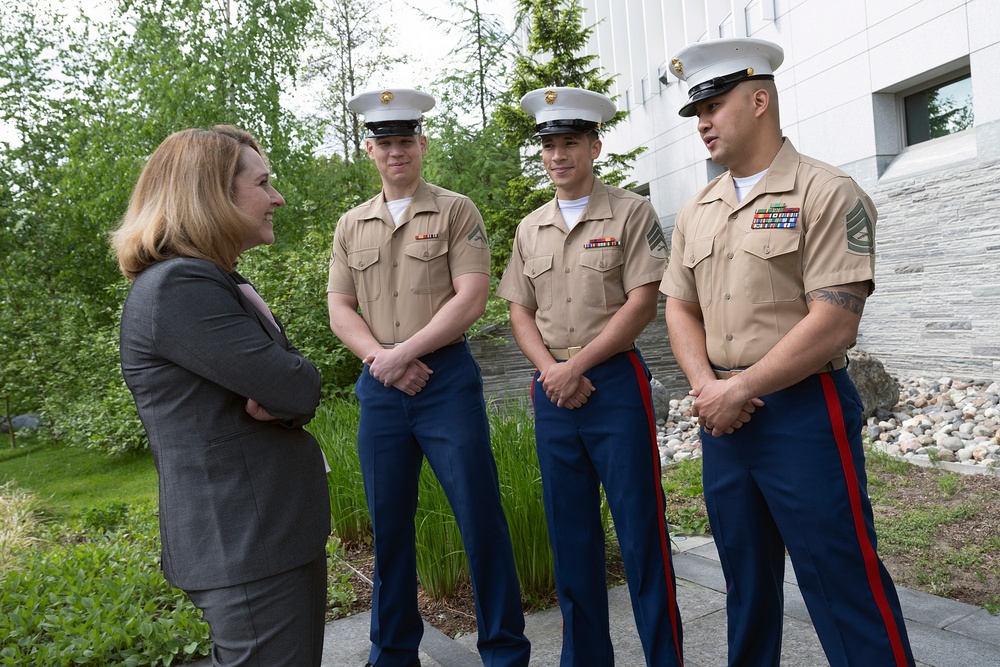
point(867, 551)
point(647, 401)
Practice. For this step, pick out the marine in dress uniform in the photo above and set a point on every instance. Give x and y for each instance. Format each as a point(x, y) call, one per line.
point(415, 259)
point(582, 285)
point(769, 269)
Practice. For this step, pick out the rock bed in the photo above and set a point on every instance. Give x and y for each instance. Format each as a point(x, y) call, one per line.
point(943, 420)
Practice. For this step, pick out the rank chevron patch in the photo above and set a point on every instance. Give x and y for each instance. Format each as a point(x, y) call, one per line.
point(860, 231)
point(477, 237)
point(656, 241)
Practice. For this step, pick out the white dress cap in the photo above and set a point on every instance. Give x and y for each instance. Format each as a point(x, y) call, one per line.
point(392, 112)
point(718, 65)
point(563, 110)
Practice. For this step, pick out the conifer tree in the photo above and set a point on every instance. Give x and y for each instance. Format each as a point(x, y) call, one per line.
point(554, 55)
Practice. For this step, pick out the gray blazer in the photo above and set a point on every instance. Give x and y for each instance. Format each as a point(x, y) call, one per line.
point(240, 499)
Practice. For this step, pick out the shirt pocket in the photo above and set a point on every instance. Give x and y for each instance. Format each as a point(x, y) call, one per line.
point(365, 269)
point(698, 259)
point(538, 270)
point(773, 266)
point(602, 277)
point(428, 270)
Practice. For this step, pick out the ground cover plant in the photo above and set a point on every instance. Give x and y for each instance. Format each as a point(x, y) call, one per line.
point(81, 583)
point(90, 592)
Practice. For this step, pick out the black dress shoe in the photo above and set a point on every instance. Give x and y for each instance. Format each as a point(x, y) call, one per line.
point(416, 664)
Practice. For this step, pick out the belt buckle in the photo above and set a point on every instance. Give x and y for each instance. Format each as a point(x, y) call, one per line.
point(570, 351)
point(733, 372)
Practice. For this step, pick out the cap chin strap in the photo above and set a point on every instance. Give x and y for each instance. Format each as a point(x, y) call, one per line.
point(726, 80)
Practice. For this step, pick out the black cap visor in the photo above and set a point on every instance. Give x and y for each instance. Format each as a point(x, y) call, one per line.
point(393, 128)
point(566, 126)
point(716, 86)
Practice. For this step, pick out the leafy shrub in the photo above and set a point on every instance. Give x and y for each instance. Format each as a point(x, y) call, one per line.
point(98, 599)
point(340, 593)
point(104, 518)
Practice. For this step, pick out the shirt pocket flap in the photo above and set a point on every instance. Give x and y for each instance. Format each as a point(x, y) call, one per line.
point(770, 245)
point(604, 259)
point(427, 250)
point(362, 259)
point(537, 265)
point(698, 250)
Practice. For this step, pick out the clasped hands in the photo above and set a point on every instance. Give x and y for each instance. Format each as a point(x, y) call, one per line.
point(564, 386)
point(394, 368)
point(719, 409)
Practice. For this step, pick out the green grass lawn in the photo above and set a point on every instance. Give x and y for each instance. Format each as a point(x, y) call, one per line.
point(68, 479)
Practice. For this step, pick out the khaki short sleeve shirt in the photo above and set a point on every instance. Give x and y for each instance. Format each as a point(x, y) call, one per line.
point(804, 226)
point(576, 281)
point(401, 276)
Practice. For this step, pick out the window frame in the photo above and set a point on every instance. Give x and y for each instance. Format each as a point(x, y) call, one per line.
point(933, 83)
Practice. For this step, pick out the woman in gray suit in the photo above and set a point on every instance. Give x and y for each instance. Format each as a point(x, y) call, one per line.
point(223, 396)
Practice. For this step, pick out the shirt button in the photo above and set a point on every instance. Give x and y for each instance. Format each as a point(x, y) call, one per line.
point(427, 254)
point(395, 264)
point(397, 324)
point(361, 264)
point(569, 299)
point(729, 336)
point(734, 216)
point(730, 255)
point(572, 329)
point(601, 265)
point(691, 259)
point(567, 241)
point(767, 250)
point(566, 270)
point(397, 294)
point(728, 297)
point(394, 234)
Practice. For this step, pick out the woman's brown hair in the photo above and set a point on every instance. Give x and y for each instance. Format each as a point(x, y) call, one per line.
point(183, 203)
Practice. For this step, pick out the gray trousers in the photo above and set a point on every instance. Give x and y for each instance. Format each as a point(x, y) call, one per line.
point(277, 621)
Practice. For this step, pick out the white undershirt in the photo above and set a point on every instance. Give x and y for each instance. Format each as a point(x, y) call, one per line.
point(572, 209)
point(745, 184)
point(396, 208)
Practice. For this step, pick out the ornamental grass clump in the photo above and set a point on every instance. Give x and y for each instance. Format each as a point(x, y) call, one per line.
point(512, 428)
point(18, 523)
point(335, 427)
point(441, 561)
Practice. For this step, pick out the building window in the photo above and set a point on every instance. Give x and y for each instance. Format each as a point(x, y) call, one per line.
point(662, 76)
point(938, 111)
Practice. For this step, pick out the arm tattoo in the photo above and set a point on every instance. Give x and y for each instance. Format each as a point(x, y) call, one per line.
point(842, 296)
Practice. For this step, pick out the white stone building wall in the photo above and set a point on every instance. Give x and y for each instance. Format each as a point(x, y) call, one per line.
point(848, 64)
